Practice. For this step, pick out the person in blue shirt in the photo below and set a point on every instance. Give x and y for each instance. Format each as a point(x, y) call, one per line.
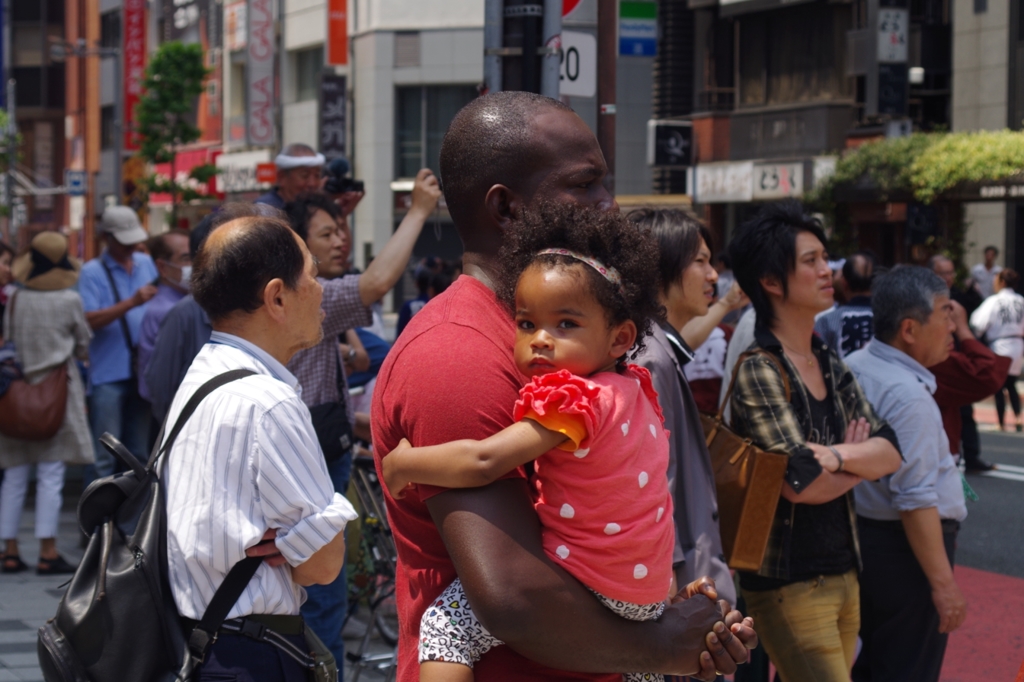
point(115, 288)
point(908, 521)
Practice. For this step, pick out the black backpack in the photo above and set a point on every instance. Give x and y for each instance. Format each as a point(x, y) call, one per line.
point(118, 621)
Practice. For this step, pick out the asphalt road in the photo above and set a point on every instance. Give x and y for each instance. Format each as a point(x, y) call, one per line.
point(991, 537)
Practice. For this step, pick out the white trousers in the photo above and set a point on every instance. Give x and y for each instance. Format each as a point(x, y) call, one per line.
point(49, 483)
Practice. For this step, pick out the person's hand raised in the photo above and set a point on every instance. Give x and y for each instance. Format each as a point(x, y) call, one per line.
point(959, 316)
point(734, 299)
point(426, 192)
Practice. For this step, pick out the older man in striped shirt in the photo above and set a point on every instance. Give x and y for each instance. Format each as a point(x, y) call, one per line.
point(247, 466)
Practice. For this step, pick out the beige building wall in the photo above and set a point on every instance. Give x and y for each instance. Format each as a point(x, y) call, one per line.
point(981, 52)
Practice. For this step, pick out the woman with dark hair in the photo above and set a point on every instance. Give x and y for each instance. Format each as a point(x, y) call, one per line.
point(1000, 318)
point(686, 279)
point(805, 597)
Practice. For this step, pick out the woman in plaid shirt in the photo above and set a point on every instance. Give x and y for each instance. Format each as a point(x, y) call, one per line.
point(805, 597)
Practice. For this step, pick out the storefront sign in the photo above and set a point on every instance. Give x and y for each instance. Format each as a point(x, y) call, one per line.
point(260, 122)
point(134, 66)
point(778, 180)
point(234, 21)
point(893, 24)
point(239, 172)
point(332, 116)
point(723, 183)
point(337, 32)
point(669, 143)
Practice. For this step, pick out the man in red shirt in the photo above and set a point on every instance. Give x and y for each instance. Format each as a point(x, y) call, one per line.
point(971, 373)
point(451, 375)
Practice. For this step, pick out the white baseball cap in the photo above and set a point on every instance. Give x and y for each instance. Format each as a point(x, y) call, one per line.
point(123, 223)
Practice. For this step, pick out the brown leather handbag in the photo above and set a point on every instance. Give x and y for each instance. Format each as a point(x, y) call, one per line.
point(34, 411)
point(748, 480)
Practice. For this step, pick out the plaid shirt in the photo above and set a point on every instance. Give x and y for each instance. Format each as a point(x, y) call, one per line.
point(316, 368)
point(761, 413)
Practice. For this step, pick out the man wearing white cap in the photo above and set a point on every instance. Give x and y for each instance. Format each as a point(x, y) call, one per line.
point(115, 288)
point(299, 171)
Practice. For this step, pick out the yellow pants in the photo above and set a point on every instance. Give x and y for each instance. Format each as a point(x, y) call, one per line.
point(809, 628)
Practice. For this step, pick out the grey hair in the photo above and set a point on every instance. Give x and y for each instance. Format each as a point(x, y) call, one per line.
point(905, 291)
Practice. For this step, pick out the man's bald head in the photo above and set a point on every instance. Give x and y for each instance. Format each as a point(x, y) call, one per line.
point(491, 141)
point(859, 273)
point(237, 261)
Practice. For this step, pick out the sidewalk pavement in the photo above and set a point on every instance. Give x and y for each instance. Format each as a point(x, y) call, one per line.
point(28, 600)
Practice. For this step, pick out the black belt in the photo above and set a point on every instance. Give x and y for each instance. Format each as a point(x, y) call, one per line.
point(265, 628)
point(948, 525)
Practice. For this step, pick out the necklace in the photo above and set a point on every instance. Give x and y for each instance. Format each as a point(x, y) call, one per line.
point(809, 359)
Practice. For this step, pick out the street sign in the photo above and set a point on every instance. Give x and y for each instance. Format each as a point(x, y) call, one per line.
point(638, 29)
point(669, 143)
point(74, 180)
point(568, 6)
point(578, 70)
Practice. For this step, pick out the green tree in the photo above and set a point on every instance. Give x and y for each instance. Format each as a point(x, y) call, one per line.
point(165, 115)
point(5, 157)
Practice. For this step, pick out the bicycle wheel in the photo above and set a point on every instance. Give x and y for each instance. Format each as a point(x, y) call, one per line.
point(385, 613)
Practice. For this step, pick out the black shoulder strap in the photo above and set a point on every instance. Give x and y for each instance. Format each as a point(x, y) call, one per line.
point(124, 323)
point(193, 402)
point(242, 572)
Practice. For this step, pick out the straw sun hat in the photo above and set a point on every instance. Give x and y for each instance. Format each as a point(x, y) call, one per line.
point(47, 266)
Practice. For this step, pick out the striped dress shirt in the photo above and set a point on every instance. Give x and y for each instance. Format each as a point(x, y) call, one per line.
point(247, 460)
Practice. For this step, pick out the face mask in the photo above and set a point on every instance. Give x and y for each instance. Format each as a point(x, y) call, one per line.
point(186, 277)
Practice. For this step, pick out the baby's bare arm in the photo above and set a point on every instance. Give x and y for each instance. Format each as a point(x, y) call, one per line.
point(468, 463)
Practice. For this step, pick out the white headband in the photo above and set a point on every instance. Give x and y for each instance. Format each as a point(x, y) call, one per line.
point(285, 162)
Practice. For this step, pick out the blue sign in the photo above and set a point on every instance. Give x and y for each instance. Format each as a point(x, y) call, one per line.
point(638, 29)
point(74, 181)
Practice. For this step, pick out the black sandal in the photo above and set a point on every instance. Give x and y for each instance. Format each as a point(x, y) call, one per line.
point(17, 567)
point(54, 567)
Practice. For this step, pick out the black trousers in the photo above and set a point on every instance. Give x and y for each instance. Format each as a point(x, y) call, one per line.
point(970, 442)
point(899, 625)
point(1011, 391)
point(234, 658)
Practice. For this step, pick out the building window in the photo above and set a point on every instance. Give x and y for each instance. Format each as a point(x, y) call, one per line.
point(309, 64)
point(422, 117)
point(794, 55)
point(980, 6)
point(110, 29)
point(107, 132)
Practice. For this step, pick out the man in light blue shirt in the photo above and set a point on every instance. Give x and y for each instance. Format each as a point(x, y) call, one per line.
point(115, 288)
point(908, 521)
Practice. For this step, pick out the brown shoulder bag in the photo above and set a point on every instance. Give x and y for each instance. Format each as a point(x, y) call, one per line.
point(748, 481)
point(34, 411)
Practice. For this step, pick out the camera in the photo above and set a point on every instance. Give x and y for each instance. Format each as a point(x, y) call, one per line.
point(337, 180)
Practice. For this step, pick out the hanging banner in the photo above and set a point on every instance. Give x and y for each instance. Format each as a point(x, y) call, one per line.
point(260, 124)
point(332, 116)
point(337, 32)
point(134, 65)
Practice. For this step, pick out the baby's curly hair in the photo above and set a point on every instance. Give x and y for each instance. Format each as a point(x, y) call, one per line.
point(606, 237)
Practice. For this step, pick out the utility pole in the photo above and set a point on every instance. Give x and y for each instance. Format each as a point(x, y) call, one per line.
point(552, 46)
point(522, 43)
point(607, 55)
